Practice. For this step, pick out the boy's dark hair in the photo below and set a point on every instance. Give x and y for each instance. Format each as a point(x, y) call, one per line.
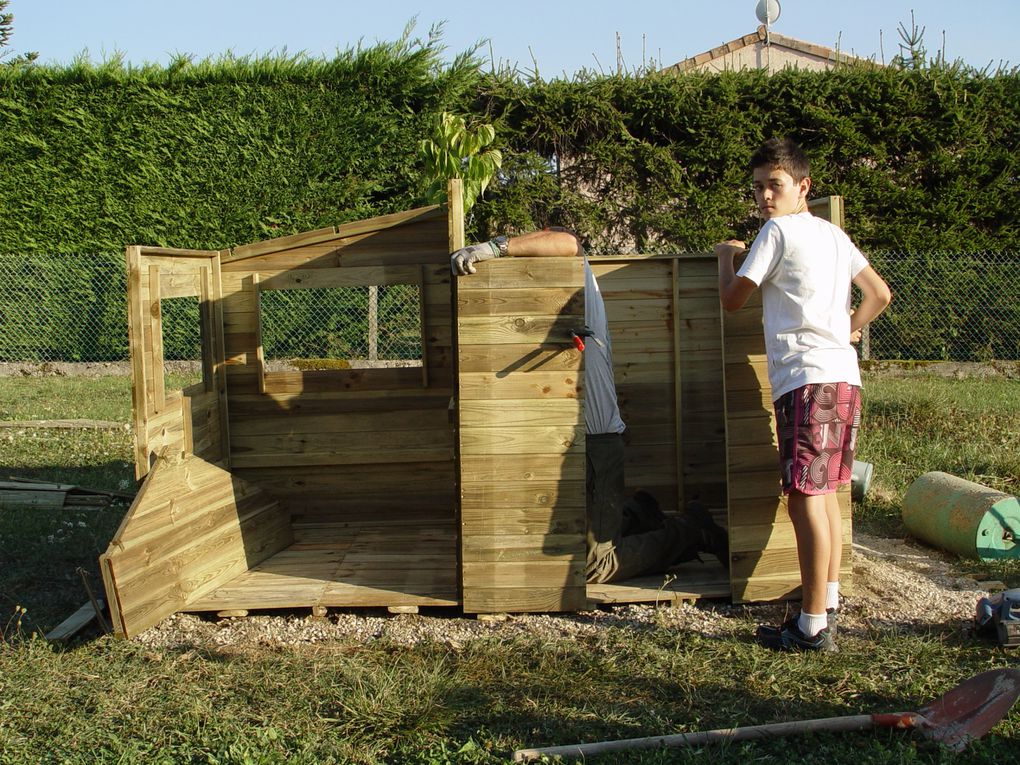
point(782, 154)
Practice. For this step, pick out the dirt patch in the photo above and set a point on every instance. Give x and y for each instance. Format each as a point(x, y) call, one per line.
point(953, 369)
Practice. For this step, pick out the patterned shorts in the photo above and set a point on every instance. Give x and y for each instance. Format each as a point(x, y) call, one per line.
point(817, 426)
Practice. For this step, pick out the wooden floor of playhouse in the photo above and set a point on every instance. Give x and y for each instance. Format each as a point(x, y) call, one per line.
point(408, 564)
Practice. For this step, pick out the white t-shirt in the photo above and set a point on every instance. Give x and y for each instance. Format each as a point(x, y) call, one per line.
point(601, 410)
point(805, 266)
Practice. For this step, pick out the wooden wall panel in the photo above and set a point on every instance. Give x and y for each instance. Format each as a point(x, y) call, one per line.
point(664, 321)
point(192, 527)
point(521, 436)
point(342, 423)
point(163, 419)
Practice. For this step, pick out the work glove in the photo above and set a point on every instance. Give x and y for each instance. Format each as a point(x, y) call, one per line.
point(462, 262)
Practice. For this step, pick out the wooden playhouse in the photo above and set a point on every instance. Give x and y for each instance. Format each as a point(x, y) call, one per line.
point(456, 481)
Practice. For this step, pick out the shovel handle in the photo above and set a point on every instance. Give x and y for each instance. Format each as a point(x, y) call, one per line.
point(771, 730)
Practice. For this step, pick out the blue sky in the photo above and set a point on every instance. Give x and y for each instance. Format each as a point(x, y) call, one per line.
point(562, 37)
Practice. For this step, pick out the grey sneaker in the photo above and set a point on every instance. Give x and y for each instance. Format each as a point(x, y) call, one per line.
point(788, 637)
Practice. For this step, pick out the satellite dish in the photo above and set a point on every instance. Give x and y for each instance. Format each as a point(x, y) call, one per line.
point(767, 11)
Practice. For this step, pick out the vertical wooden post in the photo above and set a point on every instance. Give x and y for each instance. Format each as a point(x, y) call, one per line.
point(156, 351)
point(136, 345)
point(373, 322)
point(677, 386)
point(455, 204)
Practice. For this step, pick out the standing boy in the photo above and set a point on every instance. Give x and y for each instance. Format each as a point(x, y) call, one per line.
point(805, 266)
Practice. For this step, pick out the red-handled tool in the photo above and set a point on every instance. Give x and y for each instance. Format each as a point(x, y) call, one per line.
point(578, 337)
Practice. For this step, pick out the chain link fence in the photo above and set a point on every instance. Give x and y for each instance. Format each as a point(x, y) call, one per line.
point(59, 308)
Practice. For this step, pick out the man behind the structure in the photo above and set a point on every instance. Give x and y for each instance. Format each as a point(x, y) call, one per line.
point(627, 536)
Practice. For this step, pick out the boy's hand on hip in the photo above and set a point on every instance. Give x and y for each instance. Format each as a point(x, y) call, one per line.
point(730, 248)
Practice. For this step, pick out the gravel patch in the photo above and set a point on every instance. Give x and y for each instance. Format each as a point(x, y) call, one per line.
point(898, 585)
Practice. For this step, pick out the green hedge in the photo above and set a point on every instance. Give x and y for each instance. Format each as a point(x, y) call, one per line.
point(926, 159)
point(219, 153)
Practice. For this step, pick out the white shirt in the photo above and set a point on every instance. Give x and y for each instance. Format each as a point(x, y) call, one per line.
point(601, 410)
point(805, 266)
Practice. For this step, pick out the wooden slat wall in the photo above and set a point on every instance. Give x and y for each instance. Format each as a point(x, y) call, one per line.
point(521, 436)
point(192, 527)
point(763, 549)
point(664, 320)
point(164, 419)
point(339, 445)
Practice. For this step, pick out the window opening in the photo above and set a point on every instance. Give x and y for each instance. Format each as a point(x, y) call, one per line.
point(341, 327)
point(183, 342)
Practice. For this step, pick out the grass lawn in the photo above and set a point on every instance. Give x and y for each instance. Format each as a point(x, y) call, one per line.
point(101, 700)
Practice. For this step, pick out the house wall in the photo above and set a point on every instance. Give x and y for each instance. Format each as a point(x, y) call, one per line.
point(773, 58)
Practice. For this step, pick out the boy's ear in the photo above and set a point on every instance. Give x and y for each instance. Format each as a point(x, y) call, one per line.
point(805, 186)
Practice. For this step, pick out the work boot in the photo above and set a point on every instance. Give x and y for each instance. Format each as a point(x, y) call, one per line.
point(711, 537)
point(641, 513)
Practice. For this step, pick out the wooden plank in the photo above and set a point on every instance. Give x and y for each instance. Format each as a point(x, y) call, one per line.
point(281, 243)
point(455, 214)
point(175, 252)
point(516, 357)
point(562, 495)
point(180, 285)
point(298, 425)
point(546, 302)
point(495, 550)
point(369, 442)
point(678, 386)
point(482, 600)
point(326, 380)
point(519, 329)
point(336, 278)
point(264, 459)
point(392, 220)
point(522, 440)
point(688, 581)
point(530, 385)
point(156, 347)
point(254, 406)
point(521, 467)
point(483, 413)
point(75, 623)
point(524, 273)
point(532, 521)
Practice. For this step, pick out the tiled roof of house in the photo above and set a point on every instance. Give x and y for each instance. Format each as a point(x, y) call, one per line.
point(758, 37)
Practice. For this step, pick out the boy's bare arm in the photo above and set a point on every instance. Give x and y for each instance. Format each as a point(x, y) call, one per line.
point(875, 296)
point(733, 290)
point(544, 244)
point(537, 244)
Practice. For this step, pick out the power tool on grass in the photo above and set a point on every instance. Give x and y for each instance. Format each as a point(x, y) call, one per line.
point(998, 617)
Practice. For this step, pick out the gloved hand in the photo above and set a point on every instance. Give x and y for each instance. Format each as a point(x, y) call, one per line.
point(463, 260)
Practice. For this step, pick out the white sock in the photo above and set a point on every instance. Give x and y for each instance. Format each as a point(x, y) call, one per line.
point(811, 624)
point(832, 595)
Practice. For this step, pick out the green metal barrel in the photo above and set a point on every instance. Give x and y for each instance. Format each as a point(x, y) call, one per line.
point(961, 516)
